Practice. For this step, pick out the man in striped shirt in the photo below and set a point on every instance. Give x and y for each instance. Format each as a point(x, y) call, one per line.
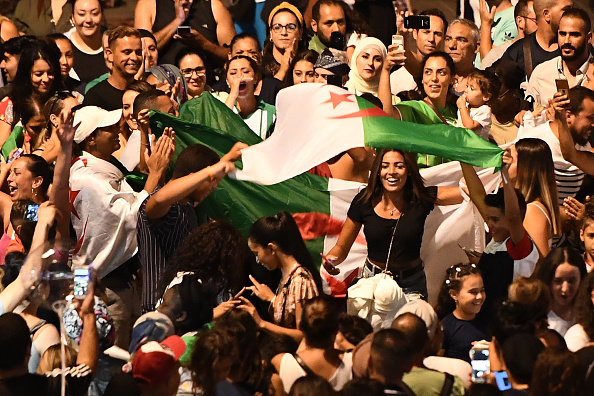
point(167, 216)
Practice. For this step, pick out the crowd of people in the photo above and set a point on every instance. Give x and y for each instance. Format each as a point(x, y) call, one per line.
point(172, 302)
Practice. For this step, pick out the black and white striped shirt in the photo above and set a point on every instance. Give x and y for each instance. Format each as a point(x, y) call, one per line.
point(157, 240)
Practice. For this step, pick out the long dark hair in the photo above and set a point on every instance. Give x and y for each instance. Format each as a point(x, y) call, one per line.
point(536, 176)
point(414, 188)
point(584, 309)
point(453, 281)
point(310, 56)
point(437, 54)
point(558, 256)
point(282, 230)
point(22, 87)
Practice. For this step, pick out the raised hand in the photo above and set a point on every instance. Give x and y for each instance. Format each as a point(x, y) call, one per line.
point(66, 130)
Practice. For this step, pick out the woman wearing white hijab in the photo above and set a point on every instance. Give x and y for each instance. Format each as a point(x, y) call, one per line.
point(366, 66)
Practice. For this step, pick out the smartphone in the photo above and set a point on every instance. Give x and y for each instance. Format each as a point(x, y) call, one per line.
point(327, 260)
point(337, 41)
point(502, 380)
point(31, 213)
point(562, 86)
point(417, 22)
point(334, 79)
point(398, 39)
point(81, 282)
point(479, 360)
point(16, 155)
point(469, 251)
point(183, 30)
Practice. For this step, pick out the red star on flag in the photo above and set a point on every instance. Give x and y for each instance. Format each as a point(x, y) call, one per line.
point(73, 195)
point(337, 99)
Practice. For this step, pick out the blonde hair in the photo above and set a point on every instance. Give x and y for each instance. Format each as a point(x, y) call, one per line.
point(51, 358)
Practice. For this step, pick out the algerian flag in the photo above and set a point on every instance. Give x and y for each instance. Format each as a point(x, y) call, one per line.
point(316, 122)
point(318, 204)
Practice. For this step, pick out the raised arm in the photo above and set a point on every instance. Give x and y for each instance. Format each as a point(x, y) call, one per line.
point(159, 203)
point(395, 57)
point(144, 17)
point(582, 159)
point(59, 193)
point(158, 161)
point(32, 269)
point(512, 207)
point(487, 17)
point(476, 189)
point(88, 349)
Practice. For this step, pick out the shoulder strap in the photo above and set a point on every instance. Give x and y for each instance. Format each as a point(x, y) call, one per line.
point(527, 57)
point(448, 384)
point(304, 366)
point(37, 326)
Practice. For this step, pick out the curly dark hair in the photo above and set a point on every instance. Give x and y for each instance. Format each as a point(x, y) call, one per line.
point(557, 372)
point(217, 252)
point(584, 308)
point(453, 281)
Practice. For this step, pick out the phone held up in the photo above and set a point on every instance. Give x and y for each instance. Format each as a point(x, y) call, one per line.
point(82, 276)
point(417, 22)
point(479, 360)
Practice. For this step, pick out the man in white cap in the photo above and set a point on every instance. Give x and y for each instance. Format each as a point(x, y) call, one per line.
point(104, 211)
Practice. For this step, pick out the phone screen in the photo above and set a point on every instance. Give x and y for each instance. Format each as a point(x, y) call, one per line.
point(81, 282)
point(31, 213)
point(502, 380)
point(480, 364)
point(183, 30)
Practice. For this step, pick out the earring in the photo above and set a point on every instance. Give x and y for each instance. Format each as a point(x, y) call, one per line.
point(33, 191)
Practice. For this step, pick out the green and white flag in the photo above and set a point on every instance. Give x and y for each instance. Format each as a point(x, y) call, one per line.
point(316, 122)
point(318, 204)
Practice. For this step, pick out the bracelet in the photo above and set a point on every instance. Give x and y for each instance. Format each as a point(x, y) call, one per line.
point(212, 178)
point(145, 144)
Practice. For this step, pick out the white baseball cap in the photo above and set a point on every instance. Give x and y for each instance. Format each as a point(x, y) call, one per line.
point(91, 118)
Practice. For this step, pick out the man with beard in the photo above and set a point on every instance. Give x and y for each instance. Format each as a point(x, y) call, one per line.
point(540, 46)
point(578, 117)
point(427, 41)
point(574, 62)
point(328, 16)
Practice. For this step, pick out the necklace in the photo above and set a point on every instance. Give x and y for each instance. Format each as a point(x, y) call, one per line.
point(392, 212)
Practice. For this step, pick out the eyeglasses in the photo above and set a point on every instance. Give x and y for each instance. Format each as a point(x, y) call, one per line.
point(527, 17)
point(200, 71)
point(277, 27)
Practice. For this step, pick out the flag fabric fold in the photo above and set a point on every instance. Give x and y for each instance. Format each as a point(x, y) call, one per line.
point(316, 122)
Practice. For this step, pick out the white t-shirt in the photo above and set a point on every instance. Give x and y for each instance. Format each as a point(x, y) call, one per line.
point(576, 338)
point(559, 324)
point(482, 115)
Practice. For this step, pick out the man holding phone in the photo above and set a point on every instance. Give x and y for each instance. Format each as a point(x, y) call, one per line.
point(328, 16)
point(428, 39)
point(574, 63)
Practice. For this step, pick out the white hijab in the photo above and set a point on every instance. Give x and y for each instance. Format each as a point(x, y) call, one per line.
point(356, 83)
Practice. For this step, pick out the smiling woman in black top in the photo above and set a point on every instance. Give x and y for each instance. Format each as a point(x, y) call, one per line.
point(392, 210)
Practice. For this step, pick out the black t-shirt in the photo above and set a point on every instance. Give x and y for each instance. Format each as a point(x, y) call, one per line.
point(105, 96)
point(77, 383)
point(88, 66)
point(378, 230)
point(516, 53)
point(458, 336)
